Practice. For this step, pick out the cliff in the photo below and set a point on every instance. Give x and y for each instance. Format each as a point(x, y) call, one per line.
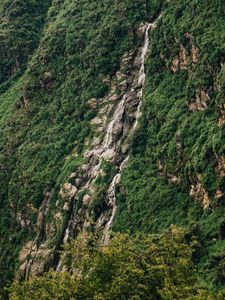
point(112, 119)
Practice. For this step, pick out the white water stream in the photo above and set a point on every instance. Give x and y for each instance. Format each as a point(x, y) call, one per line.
point(109, 147)
point(113, 148)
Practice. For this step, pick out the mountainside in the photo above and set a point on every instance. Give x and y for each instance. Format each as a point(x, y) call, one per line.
point(112, 117)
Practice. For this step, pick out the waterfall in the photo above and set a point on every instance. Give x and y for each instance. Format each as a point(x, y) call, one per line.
point(113, 146)
point(109, 147)
point(111, 193)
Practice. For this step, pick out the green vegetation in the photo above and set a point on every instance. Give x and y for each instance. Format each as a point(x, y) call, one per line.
point(80, 46)
point(54, 57)
point(20, 24)
point(174, 145)
point(141, 267)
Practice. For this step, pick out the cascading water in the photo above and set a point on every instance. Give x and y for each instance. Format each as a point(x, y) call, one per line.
point(111, 147)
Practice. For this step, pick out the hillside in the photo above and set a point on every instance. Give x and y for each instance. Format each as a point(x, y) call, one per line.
point(112, 118)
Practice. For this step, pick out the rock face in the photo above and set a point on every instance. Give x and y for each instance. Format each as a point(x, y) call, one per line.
point(118, 117)
point(198, 192)
point(201, 101)
point(185, 57)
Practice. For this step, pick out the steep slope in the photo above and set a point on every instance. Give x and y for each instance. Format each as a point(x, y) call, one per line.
point(49, 128)
point(21, 22)
point(115, 119)
point(176, 174)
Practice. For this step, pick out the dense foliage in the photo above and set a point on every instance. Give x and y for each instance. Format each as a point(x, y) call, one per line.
point(141, 267)
point(175, 147)
point(20, 24)
point(45, 119)
point(54, 57)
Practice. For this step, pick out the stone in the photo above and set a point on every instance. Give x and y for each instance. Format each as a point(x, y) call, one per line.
point(25, 251)
point(68, 191)
point(96, 121)
point(173, 178)
point(180, 61)
point(92, 103)
point(99, 129)
point(201, 101)
point(219, 194)
point(96, 142)
point(175, 64)
point(86, 199)
point(73, 175)
point(194, 53)
point(199, 193)
point(109, 154)
point(220, 168)
point(66, 206)
point(221, 121)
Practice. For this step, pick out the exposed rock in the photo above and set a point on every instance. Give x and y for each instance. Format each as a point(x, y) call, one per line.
point(109, 154)
point(86, 199)
point(194, 53)
point(99, 129)
point(175, 63)
point(96, 141)
point(201, 101)
point(66, 206)
point(25, 251)
point(198, 192)
point(68, 191)
point(183, 57)
point(58, 216)
point(41, 258)
point(22, 221)
point(221, 121)
point(92, 103)
point(109, 148)
point(113, 97)
point(180, 61)
point(160, 168)
point(220, 168)
point(78, 182)
point(73, 175)
point(96, 121)
point(219, 194)
point(173, 178)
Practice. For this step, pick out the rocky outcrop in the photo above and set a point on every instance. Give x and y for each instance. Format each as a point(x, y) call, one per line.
point(220, 168)
point(200, 102)
point(185, 58)
point(198, 192)
point(113, 126)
